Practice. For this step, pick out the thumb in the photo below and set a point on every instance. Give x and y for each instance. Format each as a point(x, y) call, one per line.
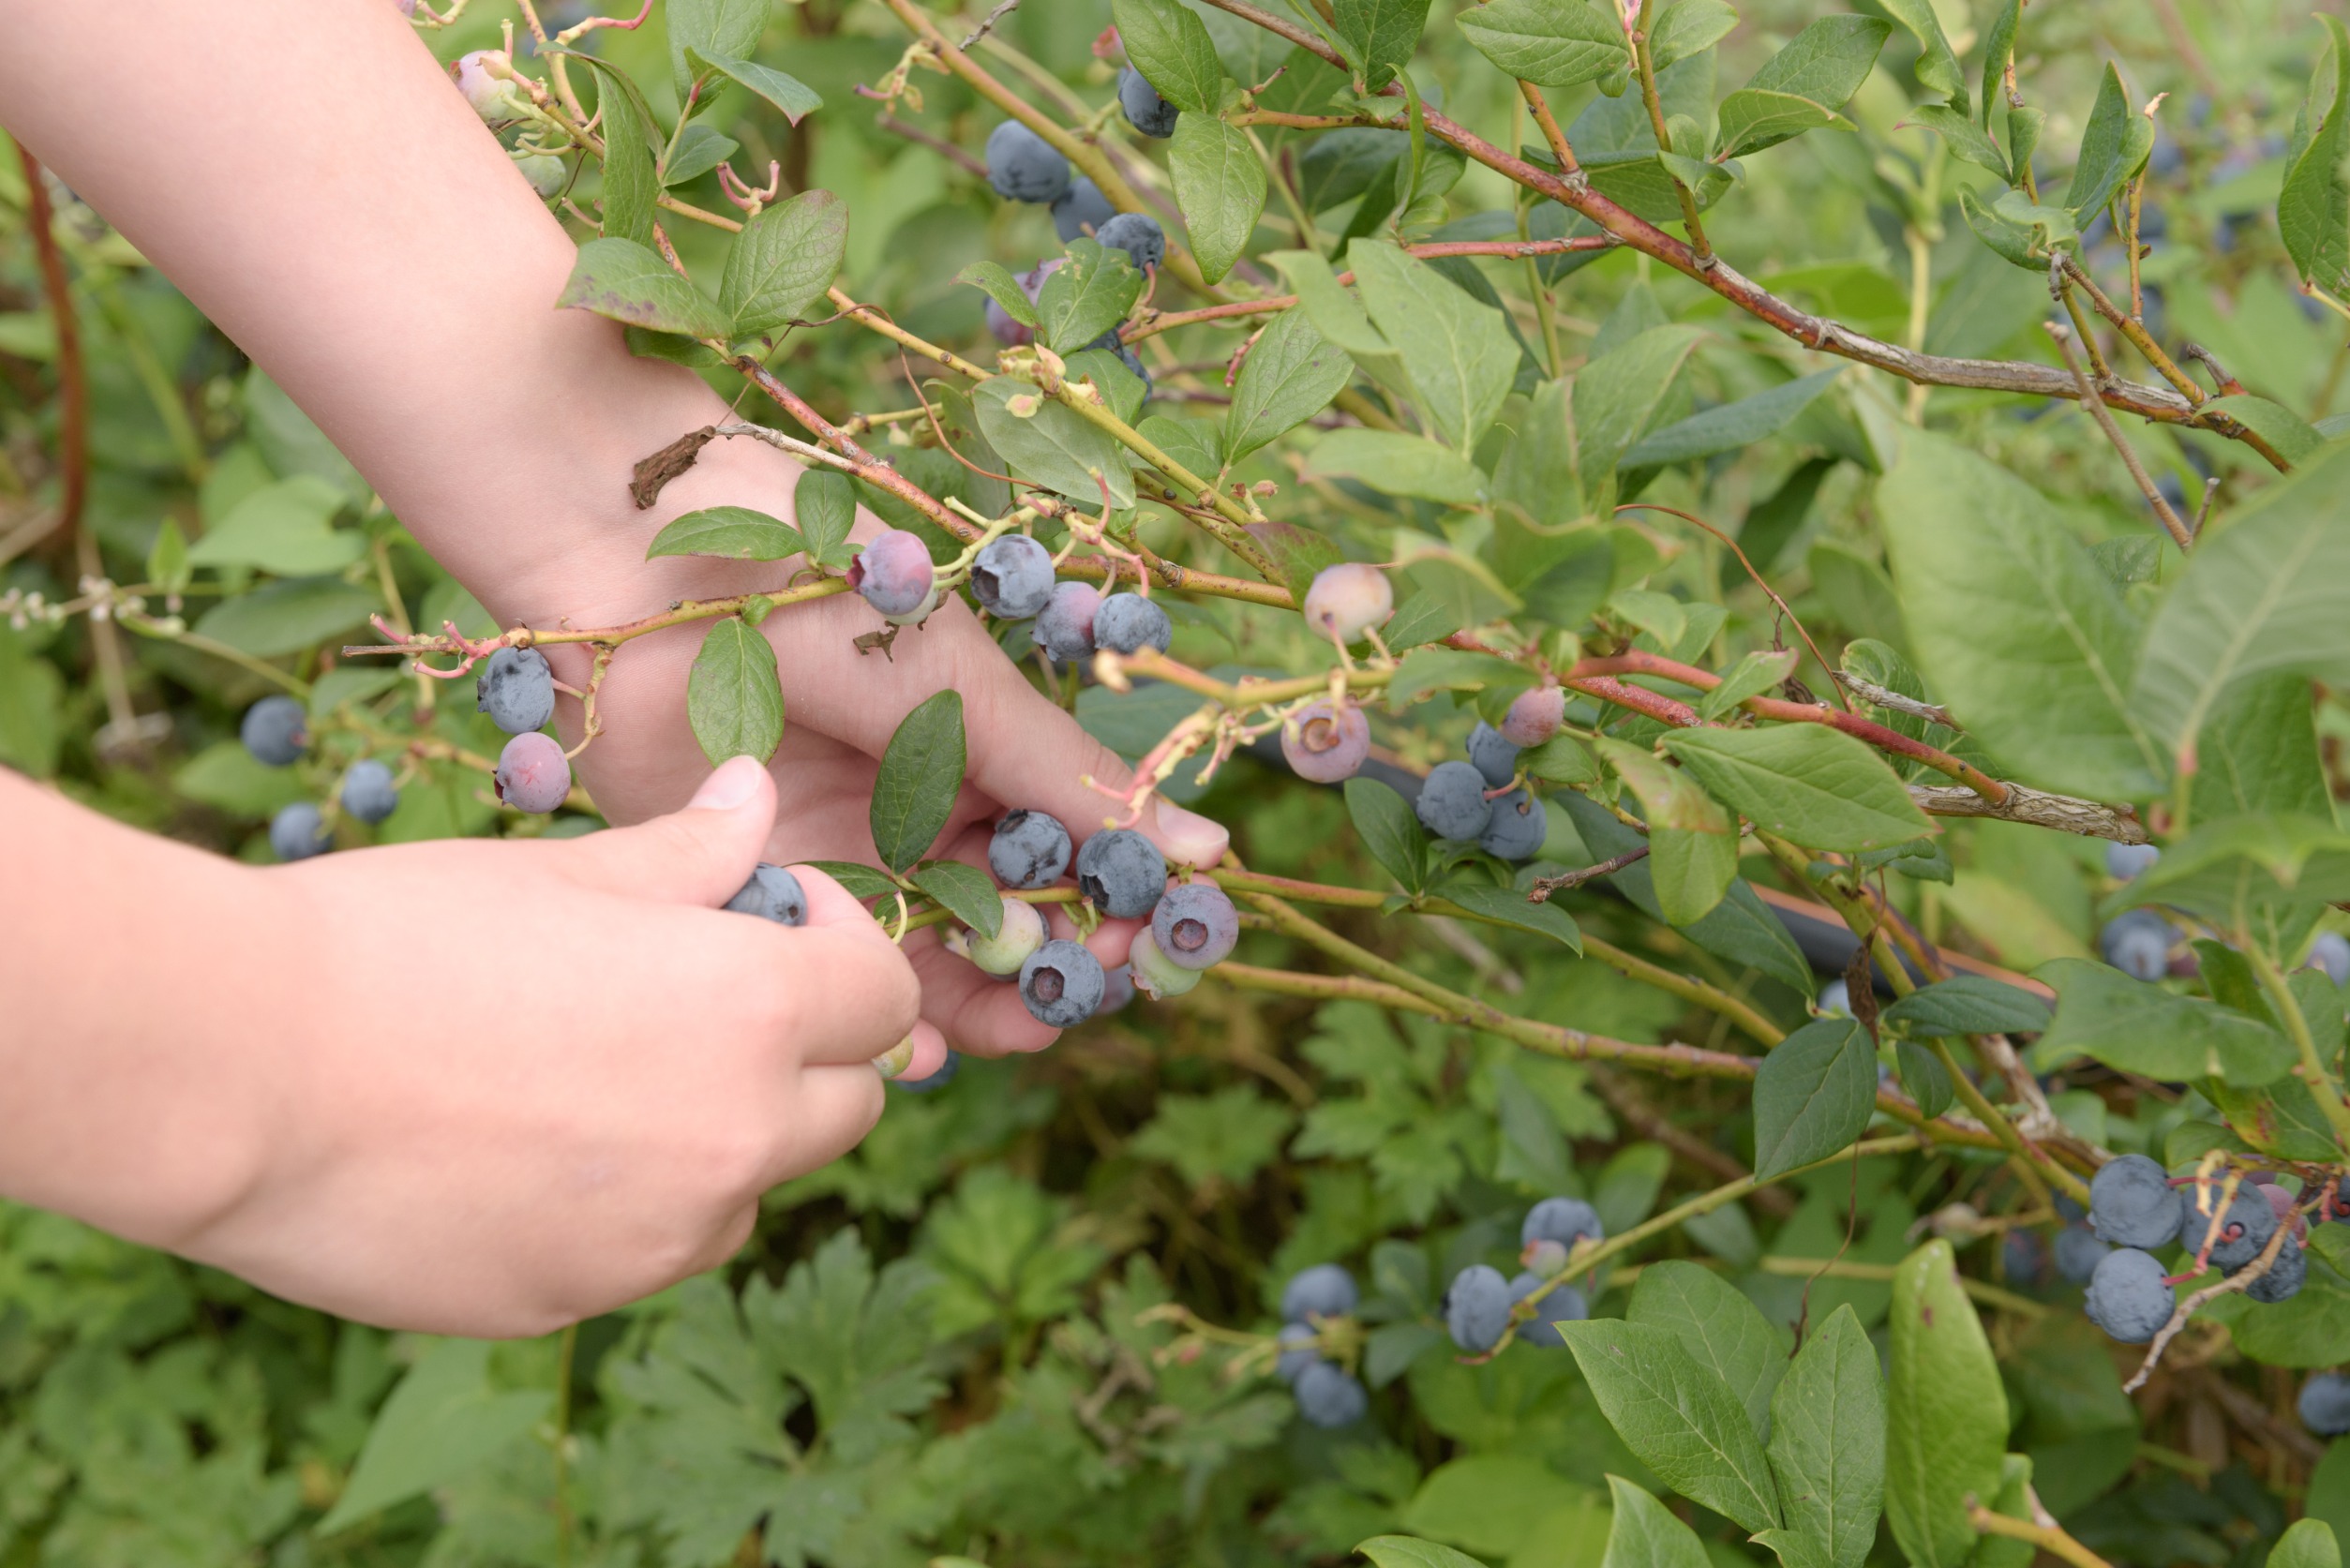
point(703, 854)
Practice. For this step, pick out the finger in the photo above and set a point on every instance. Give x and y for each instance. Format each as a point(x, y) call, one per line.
point(829, 904)
point(703, 854)
point(979, 1014)
point(844, 994)
point(830, 1110)
point(929, 1053)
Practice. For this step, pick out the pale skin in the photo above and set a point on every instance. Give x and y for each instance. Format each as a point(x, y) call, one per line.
point(561, 1079)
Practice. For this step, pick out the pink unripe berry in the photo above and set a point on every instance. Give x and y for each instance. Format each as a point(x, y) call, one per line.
point(1347, 600)
point(490, 92)
point(533, 775)
point(1325, 746)
point(1535, 717)
point(894, 573)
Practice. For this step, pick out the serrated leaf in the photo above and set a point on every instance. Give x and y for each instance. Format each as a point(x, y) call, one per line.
point(964, 892)
point(1551, 43)
point(790, 97)
point(1219, 187)
point(736, 533)
point(1390, 831)
point(783, 260)
point(1923, 1076)
point(1171, 47)
point(1827, 1448)
point(1289, 376)
point(1760, 671)
point(1679, 1419)
point(1506, 906)
point(625, 282)
point(1969, 1005)
point(1946, 1434)
point(1053, 446)
point(733, 698)
point(995, 280)
point(2136, 1027)
point(921, 773)
point(1721, 1329)
point(1456, 350)
point(1813, 1095)
point(2113, 147)
point(824, 505)
point(1808, 782)
point(1087, 294)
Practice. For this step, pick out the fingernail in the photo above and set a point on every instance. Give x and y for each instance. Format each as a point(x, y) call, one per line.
point(729, 786)
point(1190, 838)
point(896, 1059)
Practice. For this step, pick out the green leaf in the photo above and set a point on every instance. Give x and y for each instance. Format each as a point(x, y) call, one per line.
point(2017, 228)
point(699, 150)
point(1396, 464)
point(1721, 1329)
point(1689, 28)
point(2113, 149)
point(288, 615)
point(1053, 446)
point(1814, 784)
point(1693, 844)
point(443, 1421)
point(2014, 624)
point(1937, 68)
point(632, 140)
point(1752, 120)
point(1827, 1448)
point(728, 29)
point(2136, 1027)
point(1377, 37)
point(1390, 831)
point(1551, 43)
point(1813, 1095)
point(2313, 206)
point(921, 774)
point(2310, 1543)
point(997, 283)
point(1644, 1533)
point(783, 260)
point(1220, 185)
point(966, 892)
point(1678, 1418)
point(1947, 1436)
point(1923, 1075)
point(1488, 1503)
point(1757, 673)
point(1827, 61)
point(624, 281)
point(286, 528)
point(2231, 867)
point(1121, 389)
point(1969, 1005)
point(1088, 295)
point(1618, 392)
point(825, 507)
point(1287, 377)
point(1405, 1551)
point(791, 97)
point(2295, 439)
point(1506, 906)
point(1999, 52)
point(736, 533)
point(863, 883)
point(166, 557)
point(732, 696)
point(1169, 46)
point(1729, 426)
point(2307, 1331)
point(1965, 139)
point(1457, 350)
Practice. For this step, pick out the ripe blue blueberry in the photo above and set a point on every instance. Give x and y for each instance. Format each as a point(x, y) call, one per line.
point(1157, 976)
point(2024, 1257)
point(1012, 577)
point(2324, 1404)
point(2131, 1203)
point(1565, 1221)
point(1494, 758)
point(1300, 1349)
point(1062, 983)
point(2078, 1253)
point(2125, 861)
point(1127, 622)
point(1122, 873)
point(274, 730)
point(1517, 828)
point(1564, 1304)
point(893, 572)
point(2331, 953)
point(1024, 166)
point(2286, 1276)
point(1065, 625)
point(533, 775)
point(1328, 1395)
point(1452, 803)
point(1082, 209)
point(1139, 235)
point(368, 793)
point(1347, 600)
point(298, 833)
point(2239, 1232)
point(1195, 925)
point(516, 690)
point(1145, 111)
point(1325, 744)
point(1836, 997)
point(771, 893)
point(1030, 851)
point(1117, 989)
point(2137, 942)
point(939, 1080)
point(1477, 1308)
point(1323, 1290)
point(2127, 1296)
point(1021, 933)
point(1535, 717)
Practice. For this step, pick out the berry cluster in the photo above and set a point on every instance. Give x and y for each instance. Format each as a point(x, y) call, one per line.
point(1481, 1302)
point(1327, 1393)
point(1012, 579)
point(2134, 1209)
point(1480, 800)
point(277, 731)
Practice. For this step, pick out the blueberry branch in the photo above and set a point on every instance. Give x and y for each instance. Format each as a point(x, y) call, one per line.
point(2048, 1536)
point(2311, 1068)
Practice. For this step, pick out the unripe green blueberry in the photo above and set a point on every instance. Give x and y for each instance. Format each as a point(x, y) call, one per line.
point(494, 97)
point(545, 171)
point(1157, 976)
point(1021, 934)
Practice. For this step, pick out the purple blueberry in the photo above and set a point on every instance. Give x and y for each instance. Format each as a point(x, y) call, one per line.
point(1300, 1348)
point(1535, 717)
point(1122, 871)
point(2242, 1230)
point(1564, 1304)
point(1082, 209)
point(1012, 577)
point(1030, 851)
point(771, 893)
point(1062, 983)
point(2124, 862)
point(1517, 828)
point(533, 775)
point(2127, 1296)
point(1323, 1290)
point(893, 572)
point(1024, 166)
point(1452, 803)
point(1065, 625)
point(368, 793)
point(939, 1080)
point(298, 833)
point(2133, 1204)
point(1195, 925)
point(2078, 1253)
point(1145, 111)
point(275, 730)
point(1326, 745)
point(1347, 600)
point(1139, 235)
point(1127, 622)
point(1494, 758)
point(516, 689)
point(1477, 1308)
point(2324, 1404)
point(1328, 1395)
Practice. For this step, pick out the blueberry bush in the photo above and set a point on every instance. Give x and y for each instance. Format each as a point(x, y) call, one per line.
point(1765, 593)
